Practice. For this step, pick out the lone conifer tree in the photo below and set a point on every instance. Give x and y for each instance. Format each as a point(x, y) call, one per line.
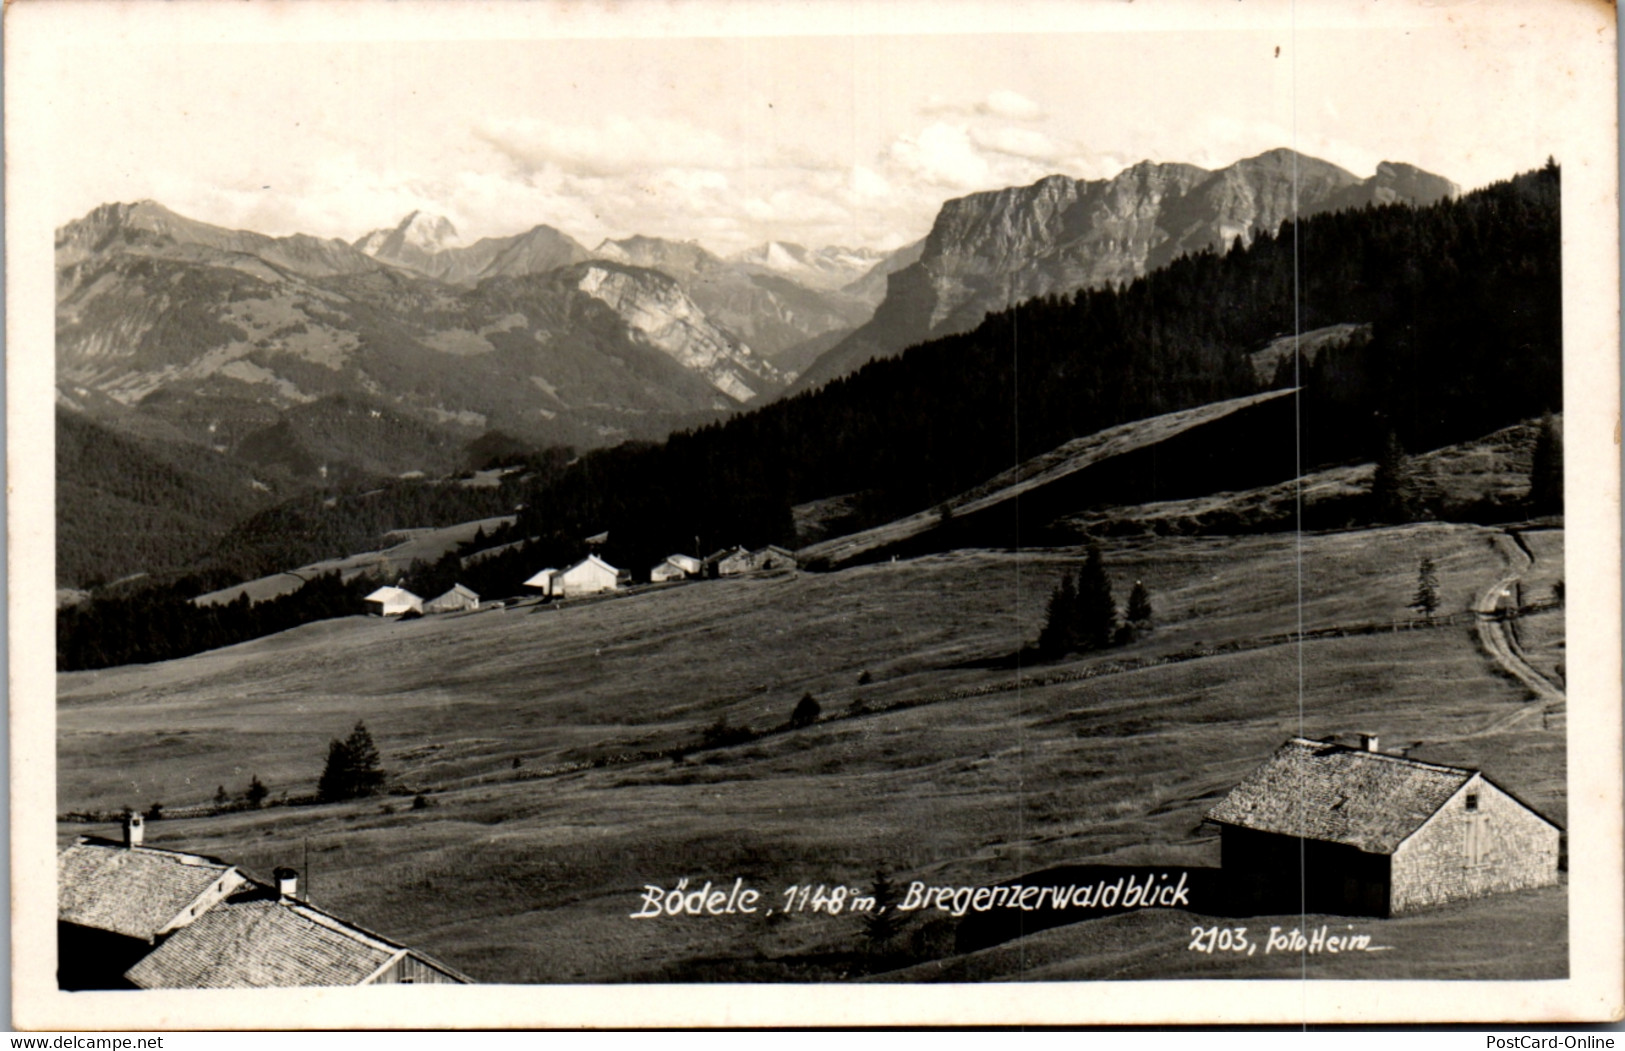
point(806, 712)
point(1393, 489)
point(1546, 469)
point(1097, 611)
point(1060, 635)
point(883, 922)
point(1426, 600)
point(1139, 606)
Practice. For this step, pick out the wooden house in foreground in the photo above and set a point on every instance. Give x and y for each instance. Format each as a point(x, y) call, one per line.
point(133, 916)
point(1330, 828)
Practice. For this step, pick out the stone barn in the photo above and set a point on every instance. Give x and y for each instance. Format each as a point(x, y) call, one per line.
point(1352, 830)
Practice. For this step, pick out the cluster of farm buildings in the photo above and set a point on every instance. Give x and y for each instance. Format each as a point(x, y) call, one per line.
point(131, 916)
point(592, 576)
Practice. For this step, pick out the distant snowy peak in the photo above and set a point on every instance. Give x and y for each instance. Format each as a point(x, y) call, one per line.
point(428, 233)
point(419, 234)
point(829, 267)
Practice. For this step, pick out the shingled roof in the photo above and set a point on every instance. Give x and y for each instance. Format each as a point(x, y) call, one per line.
point(258, 940)
point(1330, 792)
point(135, 892)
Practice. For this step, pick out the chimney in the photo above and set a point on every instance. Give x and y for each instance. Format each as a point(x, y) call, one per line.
point(135, 830)
point(1370, 743)
point(287, 882)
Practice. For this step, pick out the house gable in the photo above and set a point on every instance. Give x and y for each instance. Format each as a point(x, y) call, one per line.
point(138, 892)
point(1482, 840)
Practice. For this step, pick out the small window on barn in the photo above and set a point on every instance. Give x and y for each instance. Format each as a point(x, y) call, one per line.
point(1472, 800)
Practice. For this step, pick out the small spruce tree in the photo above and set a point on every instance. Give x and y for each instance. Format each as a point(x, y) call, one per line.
point(1059, 635)
point(806, 712)
point(1426, 599)
point(1097, 611)
point(1139, 606)
point(256, 792)
point(883, 923)
point(1393, 487)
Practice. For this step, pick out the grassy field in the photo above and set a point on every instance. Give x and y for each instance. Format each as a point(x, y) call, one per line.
point(516, 876)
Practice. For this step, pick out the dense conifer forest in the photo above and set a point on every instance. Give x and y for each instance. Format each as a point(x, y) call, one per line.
point(1464, 300)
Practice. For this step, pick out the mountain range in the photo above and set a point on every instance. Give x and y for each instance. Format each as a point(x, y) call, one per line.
point(305, 360)
point(990, 250)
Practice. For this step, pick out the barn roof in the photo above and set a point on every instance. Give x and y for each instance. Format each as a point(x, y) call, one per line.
point(130, 891)
point(259, 940)
point(594, 560)
point(540, 579)
point(1330, 792)
point(390, 594)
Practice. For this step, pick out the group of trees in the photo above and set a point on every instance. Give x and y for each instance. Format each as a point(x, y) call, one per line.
point(353, 768)
point(252, 796)
point(1082, 615)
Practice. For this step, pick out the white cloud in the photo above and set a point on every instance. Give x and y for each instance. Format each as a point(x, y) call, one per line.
point(1008, 105)
point(1011, 106)
point(1019, 142)
point(941, 155)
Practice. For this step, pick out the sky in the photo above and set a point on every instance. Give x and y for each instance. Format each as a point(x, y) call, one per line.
point(837, 133)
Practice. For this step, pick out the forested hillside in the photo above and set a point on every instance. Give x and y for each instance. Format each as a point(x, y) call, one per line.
point(1464, 300)
point(1464, 297)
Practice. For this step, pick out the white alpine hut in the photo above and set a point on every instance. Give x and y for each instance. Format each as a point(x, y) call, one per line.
point(676, 567)
point(543, 581)
point(588, 577)
point(457, 598)
point(393, 601)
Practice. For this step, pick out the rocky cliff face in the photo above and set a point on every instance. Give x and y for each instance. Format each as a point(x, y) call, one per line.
point(655, 308)
point(772, 313)
point(990, 250)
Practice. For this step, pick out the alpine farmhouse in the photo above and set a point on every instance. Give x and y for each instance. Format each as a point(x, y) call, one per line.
point(1338, 829)
point(130, 916)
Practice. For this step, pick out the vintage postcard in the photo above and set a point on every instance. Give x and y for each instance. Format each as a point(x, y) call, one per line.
point(708, 514)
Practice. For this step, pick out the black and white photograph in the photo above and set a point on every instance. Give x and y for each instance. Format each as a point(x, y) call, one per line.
point(844, 513)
